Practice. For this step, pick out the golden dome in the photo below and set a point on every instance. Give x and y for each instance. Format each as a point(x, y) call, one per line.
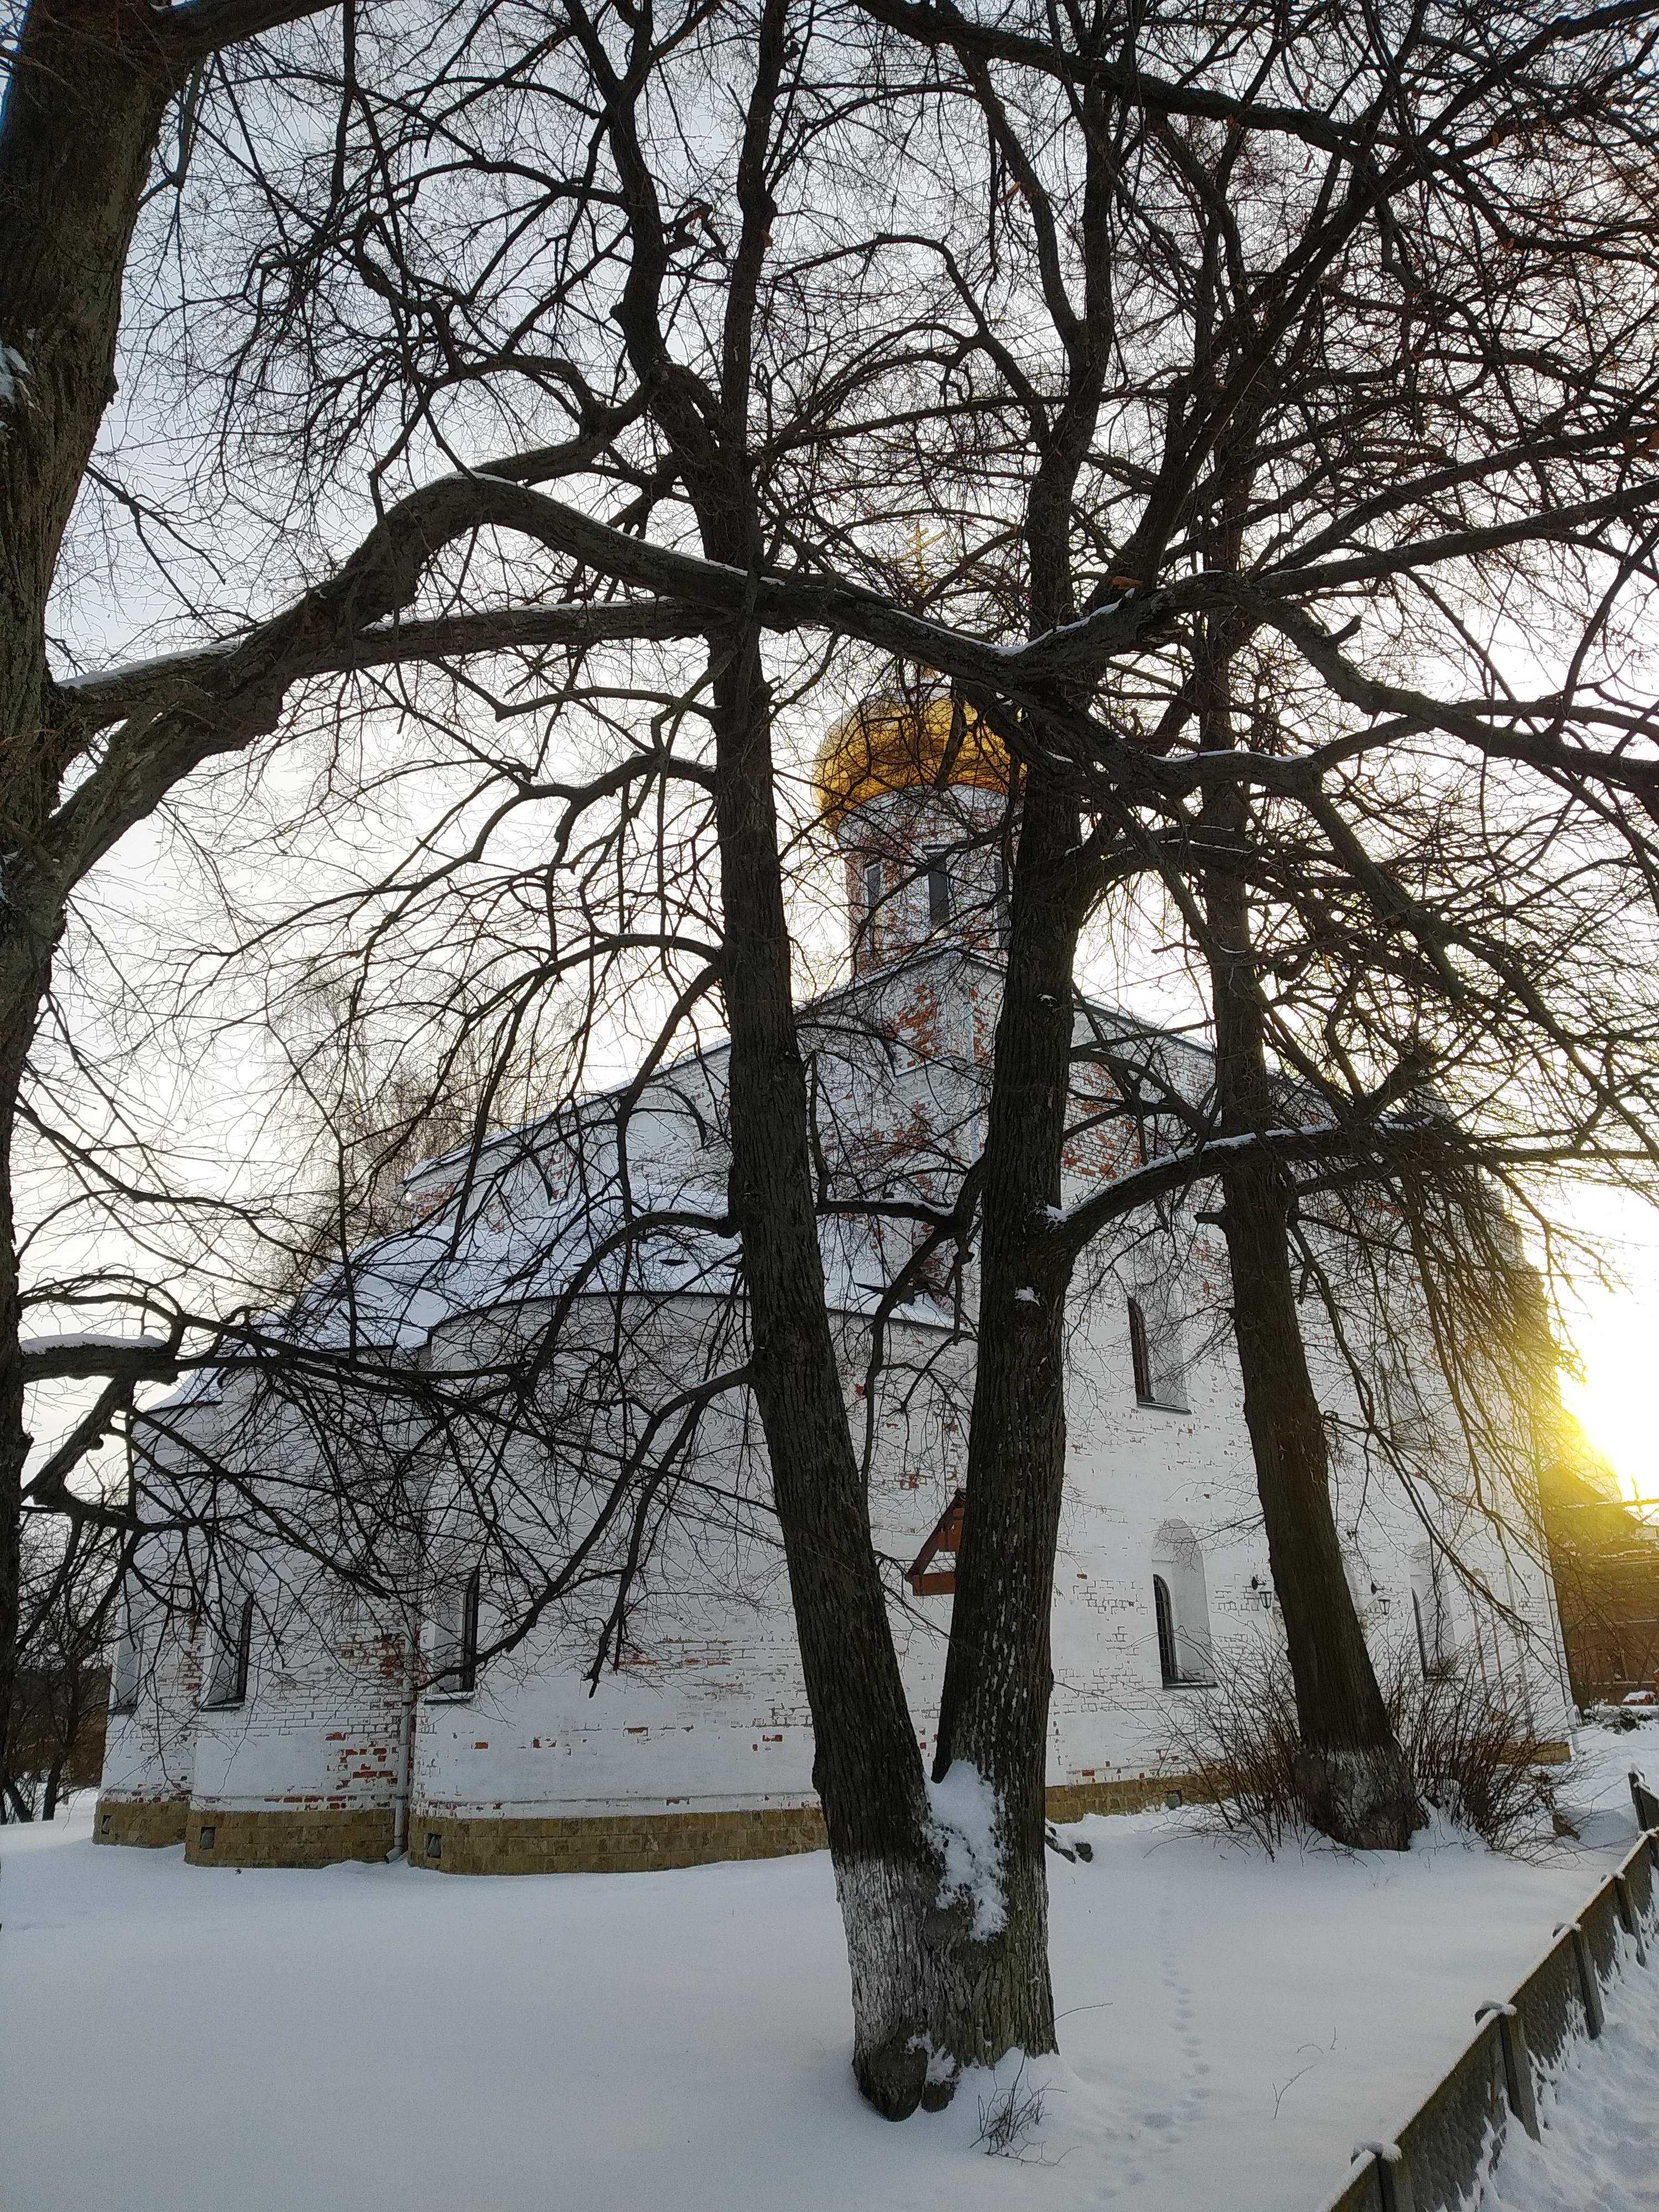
point(901, 744)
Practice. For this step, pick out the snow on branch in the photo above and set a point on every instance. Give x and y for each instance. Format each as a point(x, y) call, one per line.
point(90, 1352)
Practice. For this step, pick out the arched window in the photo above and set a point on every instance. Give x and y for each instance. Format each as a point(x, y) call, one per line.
point(867, 930)
point(1182, 1606)
point(1167, 1664)
point(1140, 1353)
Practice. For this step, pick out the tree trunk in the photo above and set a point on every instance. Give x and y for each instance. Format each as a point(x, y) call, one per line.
point(82, 110)
point(998, 1676)
point(1354, 1778)
point(65, 1737)
point(1355, 1782)
point(867, 1768)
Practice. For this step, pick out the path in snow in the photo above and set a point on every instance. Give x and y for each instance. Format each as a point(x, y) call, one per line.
point(176, 2038)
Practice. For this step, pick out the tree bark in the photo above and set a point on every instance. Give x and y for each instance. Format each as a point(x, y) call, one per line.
point(867, 1768)
point(998, 1674)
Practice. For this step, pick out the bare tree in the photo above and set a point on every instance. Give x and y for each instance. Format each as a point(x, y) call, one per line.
point(69, 1592)
point(89, 84)
point(1235, 329)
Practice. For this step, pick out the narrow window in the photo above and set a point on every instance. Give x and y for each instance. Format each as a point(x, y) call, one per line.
point(939, 891)
point(129, 1661)
point(468, 1666)
point(1185, 1656)
point(227, 1683)
point(1436, 1642)
point(1168, 1666)
point(1155, 1351)
point(455, 1642)
point(1422, 1635)
point(872, 887)
point(1139, 1354)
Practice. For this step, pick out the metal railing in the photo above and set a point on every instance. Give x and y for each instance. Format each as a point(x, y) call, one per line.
point(1435, 2160)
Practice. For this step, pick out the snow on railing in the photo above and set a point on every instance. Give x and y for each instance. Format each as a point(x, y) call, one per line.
point(1436, 2161)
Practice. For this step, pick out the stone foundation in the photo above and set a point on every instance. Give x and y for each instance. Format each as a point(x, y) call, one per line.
point(619, 1843)
point(1138, 1793)
point(150, 1822)
point(638, 1843)
point(297, 1835)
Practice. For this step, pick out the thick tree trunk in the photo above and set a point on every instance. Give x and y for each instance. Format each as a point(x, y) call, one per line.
point(867, 1768)
point(1355, 1782)
point(995, 1715)
point(83, 107)
point(14, 1438)
point(998, 1677)
point(1354, 1777)
point(941, 1977)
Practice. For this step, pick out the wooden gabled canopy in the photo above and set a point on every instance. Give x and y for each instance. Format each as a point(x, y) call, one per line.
point(926, 1578)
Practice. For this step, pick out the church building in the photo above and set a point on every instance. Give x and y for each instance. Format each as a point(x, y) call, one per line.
point(496, 1712)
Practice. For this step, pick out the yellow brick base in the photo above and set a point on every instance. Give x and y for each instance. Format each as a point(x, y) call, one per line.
point(1072, 1801)
point(299, 1836)
point(637, 1843)
point(148, 1822)
point(620, 1843)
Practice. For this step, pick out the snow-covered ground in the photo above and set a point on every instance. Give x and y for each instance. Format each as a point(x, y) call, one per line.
point(367, 2037)
point(1600, 2148)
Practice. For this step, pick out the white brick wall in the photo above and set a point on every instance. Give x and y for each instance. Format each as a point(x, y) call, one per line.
point(709, 1707)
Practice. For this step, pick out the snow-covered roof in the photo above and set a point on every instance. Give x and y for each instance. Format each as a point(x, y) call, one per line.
point(521, 1221)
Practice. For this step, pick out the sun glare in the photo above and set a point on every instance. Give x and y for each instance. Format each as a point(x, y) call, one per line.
point(1615, 1340)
